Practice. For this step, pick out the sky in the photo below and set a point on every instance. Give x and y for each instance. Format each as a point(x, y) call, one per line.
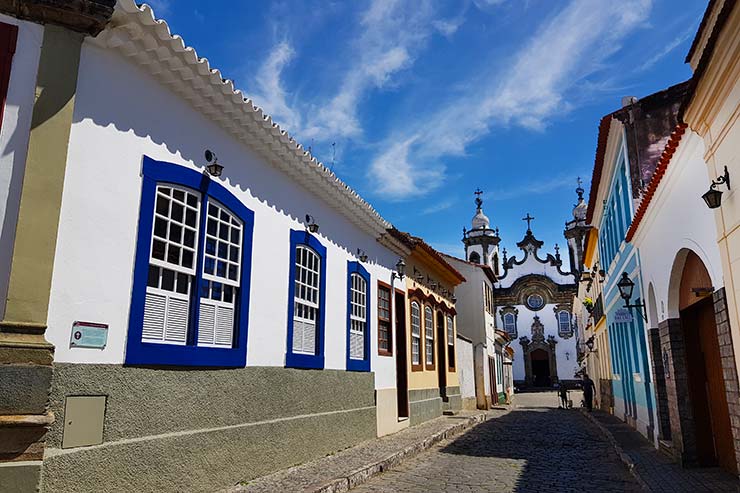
point(415, 104)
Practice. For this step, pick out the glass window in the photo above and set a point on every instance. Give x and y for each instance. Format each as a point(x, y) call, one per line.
point(564, 322)
point(384, 320)
point(358, 317)
point(510, 323)
point(429, 335)
point(415, 333)
point(171, 266)
point(450, 341)
point(306, 300)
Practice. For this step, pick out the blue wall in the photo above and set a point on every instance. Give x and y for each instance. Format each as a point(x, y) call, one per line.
point(627, 341)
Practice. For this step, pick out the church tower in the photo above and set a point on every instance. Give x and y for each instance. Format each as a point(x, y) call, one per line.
point(575, 233)
point(481, 242)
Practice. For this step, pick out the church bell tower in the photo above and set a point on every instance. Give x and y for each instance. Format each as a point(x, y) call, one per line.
point(481, 242)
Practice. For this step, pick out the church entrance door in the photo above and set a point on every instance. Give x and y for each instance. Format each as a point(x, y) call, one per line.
point(540, 368)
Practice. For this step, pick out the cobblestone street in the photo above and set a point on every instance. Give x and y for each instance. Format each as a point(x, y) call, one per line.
point(534, 447)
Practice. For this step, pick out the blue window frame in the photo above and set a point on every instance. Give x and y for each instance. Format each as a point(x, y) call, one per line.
point(358, 317)
point(306, 301)
point(185, 346)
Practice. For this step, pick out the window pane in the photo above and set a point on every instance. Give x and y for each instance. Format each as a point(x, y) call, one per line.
point(160, 227)
point(182, 283)
point(190, 217)
point(163, 205)
point(168, 280)
point(173, 254)
point(158, 249)
point(153, 278)
point(177, 212)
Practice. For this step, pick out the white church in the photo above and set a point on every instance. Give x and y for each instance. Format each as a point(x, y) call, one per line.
point(532, 299)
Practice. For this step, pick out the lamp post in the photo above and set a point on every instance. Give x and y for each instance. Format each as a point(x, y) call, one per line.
point(626, 287)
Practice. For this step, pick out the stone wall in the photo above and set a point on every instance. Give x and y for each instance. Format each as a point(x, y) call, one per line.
point(424, 404)
point(203, 430)
point(729, 368)
point(661, 395)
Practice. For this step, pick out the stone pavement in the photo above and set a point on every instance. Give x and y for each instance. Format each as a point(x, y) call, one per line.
point(353, 466)
point(535, 447)
point(656, 471)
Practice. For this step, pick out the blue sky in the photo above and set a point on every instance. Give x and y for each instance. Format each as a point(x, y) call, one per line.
point(426, 100)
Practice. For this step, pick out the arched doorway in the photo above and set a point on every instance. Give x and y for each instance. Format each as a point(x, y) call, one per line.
point(705, 379)
point(540, 368)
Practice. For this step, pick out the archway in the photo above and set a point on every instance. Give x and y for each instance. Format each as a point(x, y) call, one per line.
point(704, 376)
point(540, 368)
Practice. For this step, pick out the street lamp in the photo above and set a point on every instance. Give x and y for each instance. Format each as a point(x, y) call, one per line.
point(713, 197)
point(626, 286)
point(400, 271)
point(311, 224)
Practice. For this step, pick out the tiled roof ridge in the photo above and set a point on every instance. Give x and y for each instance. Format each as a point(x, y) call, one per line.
point(598, 165)
point(412, 242)
point(660, 170)
point(211, 87)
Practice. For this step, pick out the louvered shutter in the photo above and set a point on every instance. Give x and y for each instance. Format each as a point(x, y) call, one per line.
point(306, 300)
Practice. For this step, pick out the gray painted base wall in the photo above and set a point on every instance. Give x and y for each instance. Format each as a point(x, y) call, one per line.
point(424, 404)
point(454, 399)
point(202, 430)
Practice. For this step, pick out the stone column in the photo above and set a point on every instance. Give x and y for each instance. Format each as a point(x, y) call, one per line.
point(25, 355)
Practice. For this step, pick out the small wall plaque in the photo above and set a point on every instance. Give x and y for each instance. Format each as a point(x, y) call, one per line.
point(89, 334)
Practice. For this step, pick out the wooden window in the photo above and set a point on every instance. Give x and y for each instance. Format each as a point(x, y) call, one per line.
point(171, 265)
point(358, 317)
point(429, 337)
point(221, 273)
point(306, 300)
point(450, 342)
point(385, 344)
point(415, 336)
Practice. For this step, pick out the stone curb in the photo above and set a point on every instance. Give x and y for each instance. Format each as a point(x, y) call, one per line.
point(623, 456)
point(345, 483)
point(361, 475)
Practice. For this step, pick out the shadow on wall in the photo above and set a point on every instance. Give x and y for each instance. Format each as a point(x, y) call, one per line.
point(549, 450)
point(184, 132)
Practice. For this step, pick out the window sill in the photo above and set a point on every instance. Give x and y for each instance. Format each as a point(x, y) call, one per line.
point(358, 365)
point(304, 361)
point(385, 353)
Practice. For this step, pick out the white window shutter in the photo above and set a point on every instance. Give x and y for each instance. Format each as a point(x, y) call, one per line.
point(206, 323)
point(155, 306)
point(224, 327)
point(176, 325)
point(356, 345)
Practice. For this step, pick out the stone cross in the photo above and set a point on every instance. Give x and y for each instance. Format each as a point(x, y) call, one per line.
point(529, 219)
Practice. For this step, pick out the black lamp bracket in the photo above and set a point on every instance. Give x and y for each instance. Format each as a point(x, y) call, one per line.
point(723, 179)
point(637, 304)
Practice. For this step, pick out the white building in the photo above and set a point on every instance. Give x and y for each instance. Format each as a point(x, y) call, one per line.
point(230, 316)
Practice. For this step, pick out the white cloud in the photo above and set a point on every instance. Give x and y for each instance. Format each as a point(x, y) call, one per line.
point(566, 50)
point(538, 187)
point(650, 62)
point(270, 93)
point(438, 207)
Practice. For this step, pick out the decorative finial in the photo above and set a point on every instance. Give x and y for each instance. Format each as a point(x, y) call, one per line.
point(504, 252)
point(529, 220)
point(580, 191)
point(557, 251)
point(478, 201)
point(495, 231)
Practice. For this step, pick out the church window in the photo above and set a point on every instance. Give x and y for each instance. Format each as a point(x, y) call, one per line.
point(191, 281)
point(358, 314)
point(415, 334)
point(429, 337)
point(510, 323)
point(475, 257)
point(564, 322)
point(535, 301)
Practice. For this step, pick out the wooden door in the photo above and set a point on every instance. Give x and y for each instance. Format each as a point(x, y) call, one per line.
point(441, 353)
point(402, 377)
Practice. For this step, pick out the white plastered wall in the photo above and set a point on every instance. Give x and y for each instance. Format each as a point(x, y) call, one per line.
point(121, 114)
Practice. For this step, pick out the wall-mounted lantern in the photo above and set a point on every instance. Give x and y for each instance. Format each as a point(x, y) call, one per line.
point(400, 271)
point(361, 255)
point(214, 169)
point(713, 197)
point(626, 287)
point(311, 224)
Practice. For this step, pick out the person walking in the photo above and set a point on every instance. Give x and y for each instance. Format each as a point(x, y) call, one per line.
point(588, 391)
point(563, 396)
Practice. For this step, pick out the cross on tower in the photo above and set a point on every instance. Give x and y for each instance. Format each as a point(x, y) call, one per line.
point(529, 219)
point(478, 201)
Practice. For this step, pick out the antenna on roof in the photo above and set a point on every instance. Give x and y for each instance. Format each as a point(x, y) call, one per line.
point(333, 155)
point(310, 148)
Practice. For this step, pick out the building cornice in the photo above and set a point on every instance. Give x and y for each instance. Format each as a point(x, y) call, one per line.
point(85, 16)
point(148, 42)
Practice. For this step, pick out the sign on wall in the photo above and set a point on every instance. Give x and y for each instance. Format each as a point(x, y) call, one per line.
point(622, 316)
point(89, 334)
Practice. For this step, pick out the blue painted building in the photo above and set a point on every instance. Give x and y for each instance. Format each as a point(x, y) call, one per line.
point(629, 145)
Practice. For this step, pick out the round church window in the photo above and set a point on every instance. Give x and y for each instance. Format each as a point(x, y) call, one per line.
point(535, 301)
